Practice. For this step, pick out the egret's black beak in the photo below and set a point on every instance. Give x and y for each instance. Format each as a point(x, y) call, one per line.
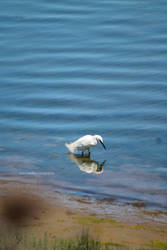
point(102, 144)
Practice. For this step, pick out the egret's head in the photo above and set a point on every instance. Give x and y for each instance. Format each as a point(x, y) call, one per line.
point(100, 139)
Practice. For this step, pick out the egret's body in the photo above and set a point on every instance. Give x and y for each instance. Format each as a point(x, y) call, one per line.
point(85, 143)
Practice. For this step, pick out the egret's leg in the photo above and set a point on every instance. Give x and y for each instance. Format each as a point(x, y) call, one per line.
point(86, 152)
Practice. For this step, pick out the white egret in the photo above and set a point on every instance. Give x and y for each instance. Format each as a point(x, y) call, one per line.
point(85, 143)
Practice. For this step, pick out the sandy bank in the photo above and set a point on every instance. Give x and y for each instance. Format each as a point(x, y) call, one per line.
point(63, 216)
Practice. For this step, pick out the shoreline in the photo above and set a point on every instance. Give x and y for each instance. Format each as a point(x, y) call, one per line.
point(99, 204)
point(66, 215)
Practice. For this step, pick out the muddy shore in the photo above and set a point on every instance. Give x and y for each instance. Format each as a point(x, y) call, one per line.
point(65, 216)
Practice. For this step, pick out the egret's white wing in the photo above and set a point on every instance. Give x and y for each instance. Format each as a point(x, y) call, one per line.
point(84, 141)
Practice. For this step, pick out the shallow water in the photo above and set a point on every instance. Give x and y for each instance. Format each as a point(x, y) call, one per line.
point(74, 68)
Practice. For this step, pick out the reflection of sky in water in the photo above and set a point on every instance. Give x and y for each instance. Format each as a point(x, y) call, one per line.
point(86, 68)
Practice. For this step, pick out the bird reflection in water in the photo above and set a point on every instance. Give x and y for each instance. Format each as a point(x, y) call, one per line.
point(86, 164)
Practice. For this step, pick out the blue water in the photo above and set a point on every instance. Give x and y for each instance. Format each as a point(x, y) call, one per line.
point(72, 68)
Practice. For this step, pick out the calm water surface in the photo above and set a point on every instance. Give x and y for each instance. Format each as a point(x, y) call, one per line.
point(71, 68)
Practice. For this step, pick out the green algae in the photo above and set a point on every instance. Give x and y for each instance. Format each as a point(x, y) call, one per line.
point(97, 220)
point(159, 245)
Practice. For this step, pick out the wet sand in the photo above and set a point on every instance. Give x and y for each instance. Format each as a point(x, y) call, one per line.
point(66, 216)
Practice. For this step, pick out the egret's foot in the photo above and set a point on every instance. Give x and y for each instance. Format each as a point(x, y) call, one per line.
point(87, 153)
